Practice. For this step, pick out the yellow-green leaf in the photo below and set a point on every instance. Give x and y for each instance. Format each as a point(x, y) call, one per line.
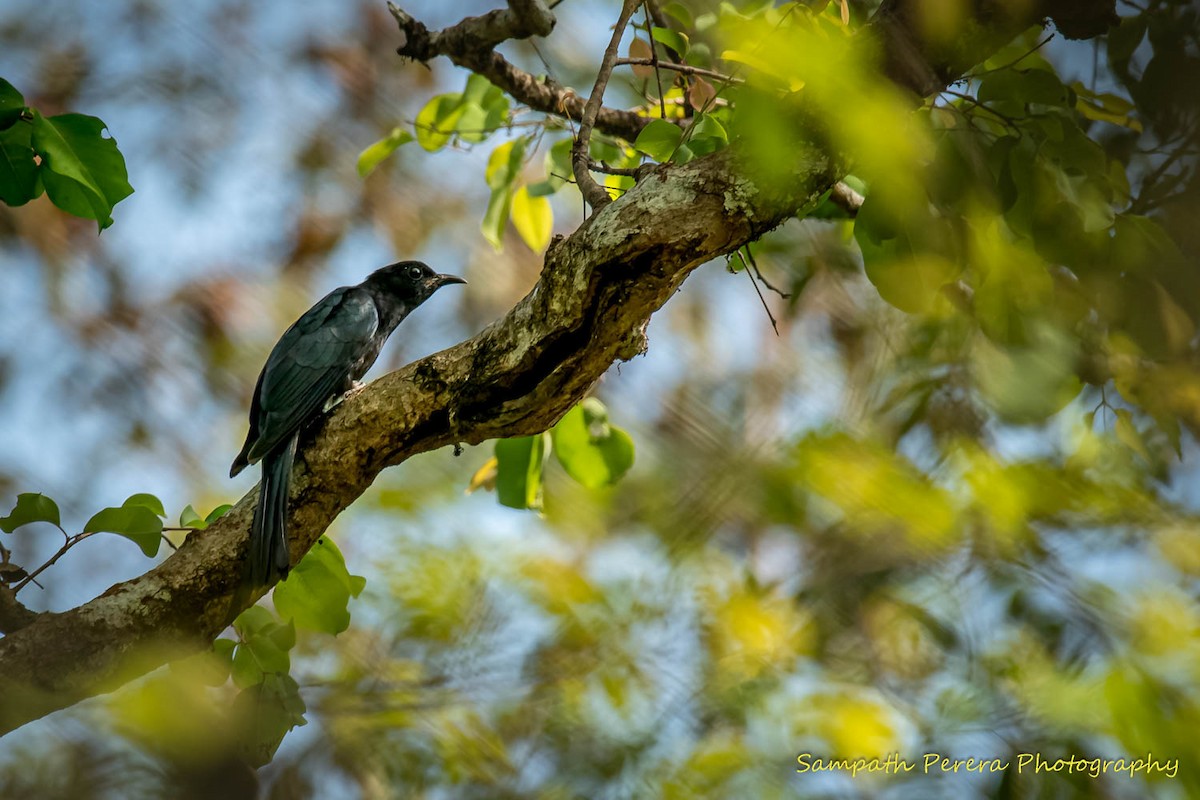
point(533, 218)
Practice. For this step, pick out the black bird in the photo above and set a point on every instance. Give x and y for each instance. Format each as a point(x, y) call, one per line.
point(319, 358)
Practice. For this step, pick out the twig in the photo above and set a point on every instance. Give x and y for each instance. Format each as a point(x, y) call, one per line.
point(597, 197)
point(1012, 63)
point(600, 166)
point(67, 545)
point(662, 103)
point(757, 291)
point(685, 69)
point(759, 275)
point(469, 43)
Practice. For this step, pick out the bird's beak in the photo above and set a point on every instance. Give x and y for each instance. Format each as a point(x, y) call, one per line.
point(445, 280)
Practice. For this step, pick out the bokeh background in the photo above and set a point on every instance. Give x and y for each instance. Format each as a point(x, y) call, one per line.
point(830, 541)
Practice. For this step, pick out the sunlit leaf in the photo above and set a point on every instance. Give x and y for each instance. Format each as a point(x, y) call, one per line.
point(519, 464)
point(533, 219)
point(591, 450)
point(370, 158)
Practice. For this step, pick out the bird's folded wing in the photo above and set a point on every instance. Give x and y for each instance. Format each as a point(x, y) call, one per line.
point(312, 362)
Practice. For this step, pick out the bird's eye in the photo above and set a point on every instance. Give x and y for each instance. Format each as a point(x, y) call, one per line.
point(414, 272)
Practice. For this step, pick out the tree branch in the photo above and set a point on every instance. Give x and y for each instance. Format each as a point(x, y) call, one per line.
point(596, 196)
point(470, 44)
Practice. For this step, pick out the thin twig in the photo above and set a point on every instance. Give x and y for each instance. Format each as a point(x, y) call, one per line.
point(70, 542)
point(757, 291)
point(686, 69)
point(597, 197)
point(600, 166)
point(1014, 62)
point(759, 275)
point(662, 103)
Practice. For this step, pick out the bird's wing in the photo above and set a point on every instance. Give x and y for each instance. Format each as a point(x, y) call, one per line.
point(311, 363)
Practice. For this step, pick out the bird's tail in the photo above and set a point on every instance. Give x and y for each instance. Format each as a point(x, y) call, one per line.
point(268, 558)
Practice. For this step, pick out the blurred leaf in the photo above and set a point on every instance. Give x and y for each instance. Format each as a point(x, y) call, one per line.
point(659, 139)
point(519, 465)
point(484, 477)
point(435, 123)
point(370, 158)
point(253, 620)
point(30, 507)
point(485, 109)
point(640, 48)
point(83, 171)
point(244, 668)
point(275, 706)
point(533, 219)
point(316, 594)
point(592, 451)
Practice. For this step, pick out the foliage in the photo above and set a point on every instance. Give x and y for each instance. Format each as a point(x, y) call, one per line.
point(67, 156)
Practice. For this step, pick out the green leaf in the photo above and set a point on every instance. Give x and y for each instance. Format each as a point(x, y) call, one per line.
point(503, 167)
point(146, 501)
point(1023, 86)
point(533, 218)
point(659, 139)
point(12, 104)
point(681, 13)
point(519, 464)
point(84, 172)
point(188, 518)
point(252, 620)
point(315, 595)
point(137, 523)
point(485, 108)
point(591, 450)
point(269, 656)
point(19, 172)
point(435, 123)
point(217, 513)
point(244, 669)
point(707, 135)
point(1105, 107)
point(370, 158)
point(30, 507)
point(275, 707)
point(675, 40)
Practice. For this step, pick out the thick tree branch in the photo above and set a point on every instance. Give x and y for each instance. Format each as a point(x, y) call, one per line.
point(590, 307)
point(13, 615)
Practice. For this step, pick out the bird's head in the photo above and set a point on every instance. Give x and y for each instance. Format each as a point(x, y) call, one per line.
point(411, 281)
